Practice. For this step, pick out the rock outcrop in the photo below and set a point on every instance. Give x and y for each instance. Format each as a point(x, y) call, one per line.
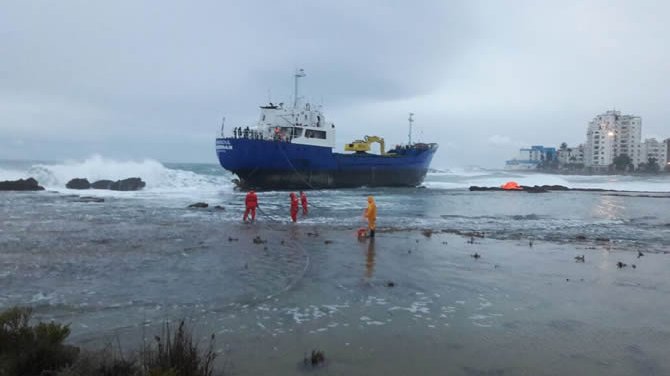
point(29, 184)
point(102, 184)
point(90, 199)
point(130, 184)
point(524, 188)
point(78, 183)
point(541, 189)
point(200, 205)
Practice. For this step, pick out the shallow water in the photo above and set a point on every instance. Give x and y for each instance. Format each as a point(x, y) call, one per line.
point(120, 268)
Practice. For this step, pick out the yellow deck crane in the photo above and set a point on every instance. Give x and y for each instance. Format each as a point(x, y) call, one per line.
point(362, 146)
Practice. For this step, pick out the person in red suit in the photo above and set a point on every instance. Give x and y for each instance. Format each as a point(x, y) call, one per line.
point(251, 203)
point(294, 207)
point(303, 202)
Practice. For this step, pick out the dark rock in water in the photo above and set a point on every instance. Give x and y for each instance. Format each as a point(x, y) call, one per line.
point(476, 255)
point(219, 207)
point(477, 188)
point(259, 240)
point(639, 254)
point(525, 188)
point(78, 183)
point(317, 358)
point(91, 199)
point(102, 184)
point(580, 237)
point(621, 265)
point(200, 205)
point(390, 284)
point(605, 240)
point(579, 258)
point(29, 184)
point(534, 189)
point(130, 184)
point(555, 187)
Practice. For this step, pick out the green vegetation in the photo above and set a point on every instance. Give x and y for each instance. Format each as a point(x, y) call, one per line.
point(177, 355)
point(39, 350)
point(650, 166)
point(623, 162)
point(30, 350)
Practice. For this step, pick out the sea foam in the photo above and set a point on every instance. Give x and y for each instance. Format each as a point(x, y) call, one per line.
point(157, 176)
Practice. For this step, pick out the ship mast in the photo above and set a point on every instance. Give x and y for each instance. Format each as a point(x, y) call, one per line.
point(299, 73)
point(411, 120)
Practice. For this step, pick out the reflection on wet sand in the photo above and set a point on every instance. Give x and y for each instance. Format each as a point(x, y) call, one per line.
point(370, 259)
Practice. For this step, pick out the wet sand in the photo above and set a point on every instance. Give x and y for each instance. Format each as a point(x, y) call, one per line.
point(515, 310)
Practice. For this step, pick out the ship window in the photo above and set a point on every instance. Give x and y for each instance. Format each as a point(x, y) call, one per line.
point(297, 132)
point(309, 133)
point(263, 119)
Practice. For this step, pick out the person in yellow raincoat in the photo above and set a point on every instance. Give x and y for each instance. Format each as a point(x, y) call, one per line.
point(371, 215)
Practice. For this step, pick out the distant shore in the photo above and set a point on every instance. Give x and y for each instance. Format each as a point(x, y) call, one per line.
point(586, 173)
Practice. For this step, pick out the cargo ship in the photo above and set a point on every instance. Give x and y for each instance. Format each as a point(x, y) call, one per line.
point(292, 147)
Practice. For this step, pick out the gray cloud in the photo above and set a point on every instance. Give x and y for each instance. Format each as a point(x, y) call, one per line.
point(152, 79)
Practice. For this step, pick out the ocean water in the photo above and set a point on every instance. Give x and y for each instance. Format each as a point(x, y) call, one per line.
point(121, 267)
point(442, 203)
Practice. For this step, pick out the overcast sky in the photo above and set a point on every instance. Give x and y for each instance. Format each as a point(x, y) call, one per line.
point(152, 79)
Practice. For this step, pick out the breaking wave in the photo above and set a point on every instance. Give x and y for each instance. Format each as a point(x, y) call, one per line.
point(157, 176)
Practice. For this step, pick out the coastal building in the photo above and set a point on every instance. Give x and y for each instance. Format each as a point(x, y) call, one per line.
point(530, 158)
point(652, 148)
point(609, 135)
point(571, 156)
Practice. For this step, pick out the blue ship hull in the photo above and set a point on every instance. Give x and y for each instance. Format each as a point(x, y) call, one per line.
point(265, 164)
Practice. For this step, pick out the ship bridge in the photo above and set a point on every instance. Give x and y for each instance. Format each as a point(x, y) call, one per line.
point(303, 124)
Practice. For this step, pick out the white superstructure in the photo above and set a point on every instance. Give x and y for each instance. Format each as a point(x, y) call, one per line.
point(302, 123)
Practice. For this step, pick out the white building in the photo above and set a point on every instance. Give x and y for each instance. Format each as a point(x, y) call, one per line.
point(571, 155)
point(530, 158)
point(652, 148)
point(609, 135)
